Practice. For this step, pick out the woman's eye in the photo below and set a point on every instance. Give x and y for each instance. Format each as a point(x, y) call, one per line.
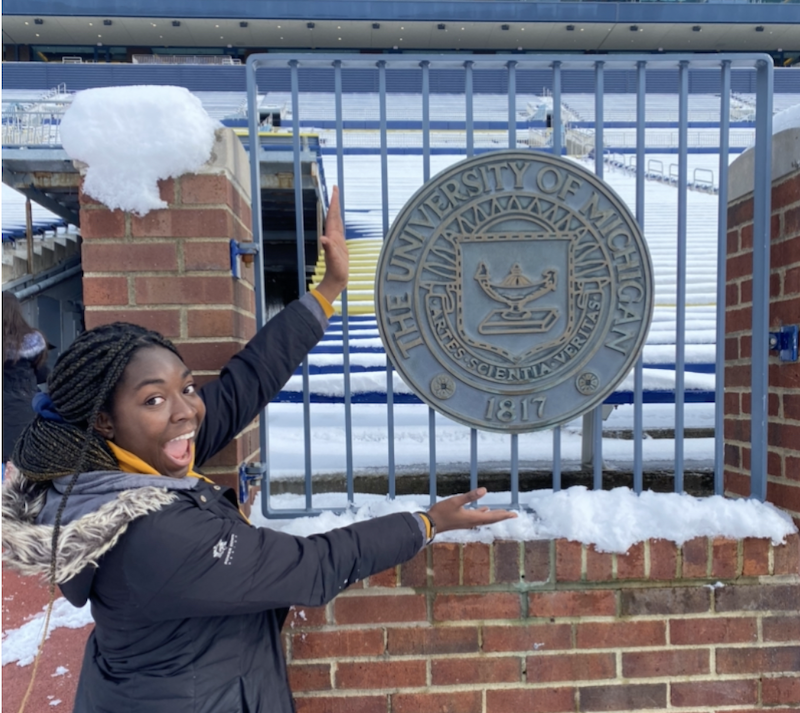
point(154, 401)
point(190, 389)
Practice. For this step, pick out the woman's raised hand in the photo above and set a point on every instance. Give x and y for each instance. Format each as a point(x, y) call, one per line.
point(450, 514)
point(337, 258)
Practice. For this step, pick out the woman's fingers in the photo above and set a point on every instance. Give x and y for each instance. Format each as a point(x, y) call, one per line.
point(337, 258)
point(450, 514)
point(333, 221)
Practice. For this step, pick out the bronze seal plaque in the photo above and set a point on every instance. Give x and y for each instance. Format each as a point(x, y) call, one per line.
point(514, 291)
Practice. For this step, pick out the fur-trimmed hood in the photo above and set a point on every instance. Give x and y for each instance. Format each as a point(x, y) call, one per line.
point(98, 512)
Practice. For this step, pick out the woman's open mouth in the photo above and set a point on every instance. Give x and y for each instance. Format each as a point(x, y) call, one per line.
point(179, 450)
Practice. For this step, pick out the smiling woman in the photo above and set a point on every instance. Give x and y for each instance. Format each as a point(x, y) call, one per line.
point(188, 598)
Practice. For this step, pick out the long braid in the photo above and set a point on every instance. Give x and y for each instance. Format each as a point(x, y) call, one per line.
point(81, 385)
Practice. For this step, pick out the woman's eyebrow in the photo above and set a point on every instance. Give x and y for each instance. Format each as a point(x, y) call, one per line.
point(149, 382)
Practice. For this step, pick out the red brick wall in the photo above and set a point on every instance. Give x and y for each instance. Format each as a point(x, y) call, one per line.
point(783, 486)
point(551, 627)
point(170, 271)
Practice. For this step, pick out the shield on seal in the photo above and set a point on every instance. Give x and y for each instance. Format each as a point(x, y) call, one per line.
point(516, 292)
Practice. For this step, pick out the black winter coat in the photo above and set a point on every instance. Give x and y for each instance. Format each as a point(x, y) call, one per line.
point(188, 599)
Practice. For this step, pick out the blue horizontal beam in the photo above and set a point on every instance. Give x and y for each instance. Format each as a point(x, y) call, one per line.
point(416, 10)
point(375, 397)
point(359, 368)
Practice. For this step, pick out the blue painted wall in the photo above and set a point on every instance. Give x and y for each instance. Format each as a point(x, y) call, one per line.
point(44, 76)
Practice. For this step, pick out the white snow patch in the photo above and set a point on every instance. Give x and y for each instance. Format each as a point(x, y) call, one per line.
point(19, 645)
point(131, 137)
point(611, 520)
point(60, 671)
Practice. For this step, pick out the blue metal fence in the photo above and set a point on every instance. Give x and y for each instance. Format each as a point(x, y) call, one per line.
point(468, 66)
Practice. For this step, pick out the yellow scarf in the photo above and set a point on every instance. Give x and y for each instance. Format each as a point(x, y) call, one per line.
point(130, 463)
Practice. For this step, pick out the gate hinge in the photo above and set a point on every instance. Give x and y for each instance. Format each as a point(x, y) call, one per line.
point(246, 250)
point(249, 474)
point(785, 342)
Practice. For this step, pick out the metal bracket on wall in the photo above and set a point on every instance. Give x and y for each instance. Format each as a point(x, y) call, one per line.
point(785, 342)
point(249, 474)
point(246, 250)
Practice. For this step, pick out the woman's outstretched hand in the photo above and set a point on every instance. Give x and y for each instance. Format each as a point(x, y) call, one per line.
point(450, 514)
point(337, 258)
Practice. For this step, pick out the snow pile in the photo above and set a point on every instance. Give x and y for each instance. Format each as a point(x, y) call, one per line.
point(611, 520)
point(614, 520)
point(20, 644)
point(131, 137)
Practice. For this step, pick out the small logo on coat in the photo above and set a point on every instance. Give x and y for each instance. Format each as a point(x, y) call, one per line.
point(226, 548)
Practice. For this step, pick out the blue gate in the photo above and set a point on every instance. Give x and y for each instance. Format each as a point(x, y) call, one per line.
point(555, 125)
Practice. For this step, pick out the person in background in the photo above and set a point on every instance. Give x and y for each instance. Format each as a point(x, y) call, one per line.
point(24, 368)
point(187, 597)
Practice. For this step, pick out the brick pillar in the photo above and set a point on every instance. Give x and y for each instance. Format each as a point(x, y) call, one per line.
point(170, 271)
point(783, 467)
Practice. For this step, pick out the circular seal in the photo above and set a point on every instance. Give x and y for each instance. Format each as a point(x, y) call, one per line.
point(523, 277)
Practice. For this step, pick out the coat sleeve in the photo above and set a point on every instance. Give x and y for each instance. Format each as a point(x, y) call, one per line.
point(254, 376)
point(207, 565)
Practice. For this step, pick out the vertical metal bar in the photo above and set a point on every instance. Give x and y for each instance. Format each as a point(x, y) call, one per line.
point(432, 455)
point(426, 174)
point(29, 234)
point(680, 297)
point(762, 172)
point(638, 372)
point(254, 149)
point(599, 118)
point(722, 277)
point(599, 168)
point(597, 447)
point(470, 123)
point(557, 458)
point(385, 214)
point(348, 405)
point(301, 267)
point(557, 108)
point(512, 104)
point(473, 458)
point(514, 470)
point(426, 121)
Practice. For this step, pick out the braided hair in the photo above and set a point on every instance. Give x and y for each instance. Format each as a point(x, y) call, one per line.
point(64, 442)
point(80, 386)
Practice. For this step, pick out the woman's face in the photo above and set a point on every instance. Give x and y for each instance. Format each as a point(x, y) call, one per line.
point(156, 411)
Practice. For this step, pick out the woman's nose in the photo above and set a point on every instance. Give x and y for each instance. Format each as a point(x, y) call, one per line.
point(184, 409)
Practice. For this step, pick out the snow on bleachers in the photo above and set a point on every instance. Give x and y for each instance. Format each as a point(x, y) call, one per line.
point(404, 107)
point(658, 107)
point(779, 101)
